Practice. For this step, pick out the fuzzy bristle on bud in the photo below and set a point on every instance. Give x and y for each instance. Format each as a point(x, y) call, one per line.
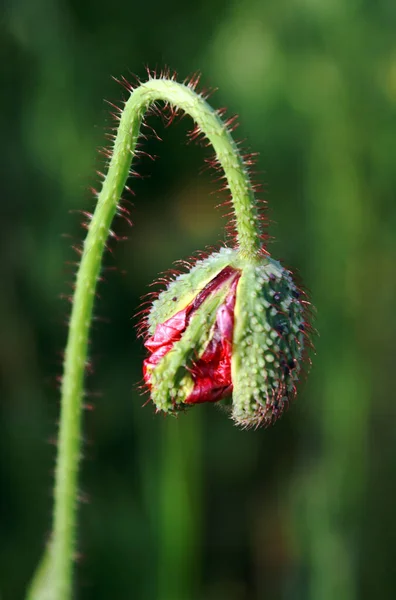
point(231, 330)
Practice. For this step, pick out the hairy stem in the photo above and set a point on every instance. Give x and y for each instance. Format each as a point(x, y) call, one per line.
point(57, 574)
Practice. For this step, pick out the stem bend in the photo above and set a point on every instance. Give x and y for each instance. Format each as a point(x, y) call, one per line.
point(55, 573)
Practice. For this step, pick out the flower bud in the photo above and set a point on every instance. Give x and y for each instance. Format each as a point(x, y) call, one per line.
point(230, 328)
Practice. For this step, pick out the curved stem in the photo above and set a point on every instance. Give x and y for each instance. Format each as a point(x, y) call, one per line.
point(60, 552)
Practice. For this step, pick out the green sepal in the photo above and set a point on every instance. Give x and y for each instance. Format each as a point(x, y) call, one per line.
point(170, 379)
point(261, 377)
point(185, 287)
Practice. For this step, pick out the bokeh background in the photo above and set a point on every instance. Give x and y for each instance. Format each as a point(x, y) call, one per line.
point(194, 509)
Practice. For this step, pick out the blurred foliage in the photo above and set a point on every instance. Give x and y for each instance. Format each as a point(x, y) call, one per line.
point(196, 509)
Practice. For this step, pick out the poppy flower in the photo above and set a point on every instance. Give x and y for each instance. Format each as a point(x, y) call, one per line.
point(230, 330)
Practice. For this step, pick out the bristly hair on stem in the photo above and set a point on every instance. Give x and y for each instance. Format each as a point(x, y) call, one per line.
point(54, 576)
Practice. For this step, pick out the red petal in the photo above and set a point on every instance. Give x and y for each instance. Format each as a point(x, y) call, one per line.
point(212, 372)
point(165, 335)
point(168, 332)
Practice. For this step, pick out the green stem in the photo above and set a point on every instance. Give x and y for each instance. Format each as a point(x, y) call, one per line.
point(58, 573)
point(179, 501)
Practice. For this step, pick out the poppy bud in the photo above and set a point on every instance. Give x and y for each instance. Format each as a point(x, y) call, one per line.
point(230, 328)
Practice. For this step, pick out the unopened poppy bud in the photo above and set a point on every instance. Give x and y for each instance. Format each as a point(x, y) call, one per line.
point(230, 328)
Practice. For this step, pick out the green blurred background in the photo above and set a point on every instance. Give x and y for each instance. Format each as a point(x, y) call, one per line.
point(195, 509)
